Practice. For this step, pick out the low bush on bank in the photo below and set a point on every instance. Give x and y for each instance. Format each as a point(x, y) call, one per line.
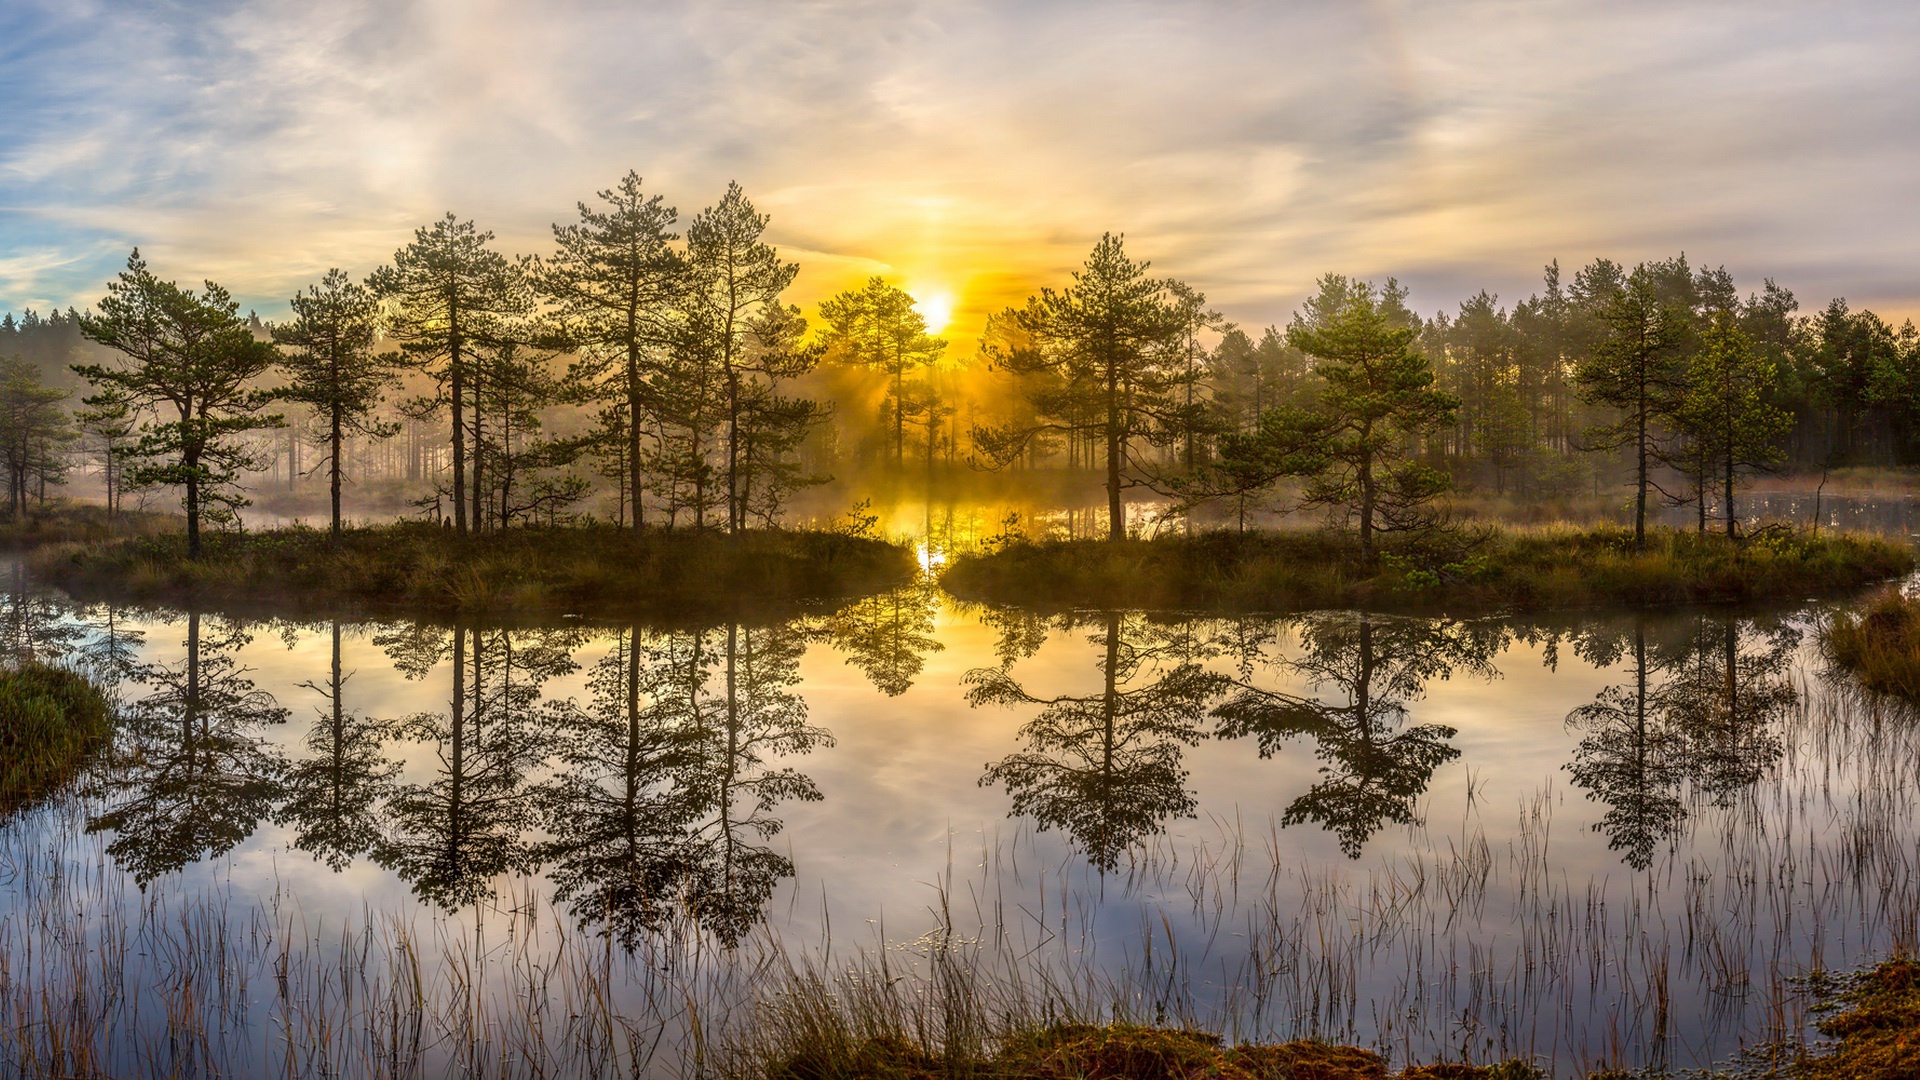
point(586, 570)
point(1879, 645)
point(49, 719)
point(1518, 570)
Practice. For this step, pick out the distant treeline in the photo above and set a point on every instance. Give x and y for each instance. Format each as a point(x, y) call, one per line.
point(643, 376)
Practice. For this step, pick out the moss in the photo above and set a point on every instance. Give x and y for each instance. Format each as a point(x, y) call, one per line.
point(49, 719)
point(424, 569)
point(1119, 1052)
point(1534, 570)
point(1878, 1028)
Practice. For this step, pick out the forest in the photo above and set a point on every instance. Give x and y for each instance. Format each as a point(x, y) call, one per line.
point(647, 371)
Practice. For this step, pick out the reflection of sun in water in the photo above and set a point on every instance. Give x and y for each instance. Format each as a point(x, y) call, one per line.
point(931, 559)
point(936, 306)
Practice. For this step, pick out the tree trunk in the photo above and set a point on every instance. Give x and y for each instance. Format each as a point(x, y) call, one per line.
point(334, 473)
point(635, 479)
point(459, 380)
point(1116, 514)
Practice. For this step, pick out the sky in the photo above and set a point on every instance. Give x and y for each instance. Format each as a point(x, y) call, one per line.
point(974, 152)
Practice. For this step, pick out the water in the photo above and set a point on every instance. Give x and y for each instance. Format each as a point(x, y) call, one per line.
point(1584, 840)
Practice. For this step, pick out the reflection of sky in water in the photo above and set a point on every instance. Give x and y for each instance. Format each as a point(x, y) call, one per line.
point(903, 808)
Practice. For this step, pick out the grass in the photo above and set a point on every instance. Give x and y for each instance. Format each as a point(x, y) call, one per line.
point(1548, 569)
point(1879, 644)
point(594, 570)
point(86, 522)
point(49, 719)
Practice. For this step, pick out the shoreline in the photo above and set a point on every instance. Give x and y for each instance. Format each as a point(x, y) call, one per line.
point(1508, 572)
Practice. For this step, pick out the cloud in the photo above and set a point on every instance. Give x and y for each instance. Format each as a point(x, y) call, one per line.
point(1245, 147)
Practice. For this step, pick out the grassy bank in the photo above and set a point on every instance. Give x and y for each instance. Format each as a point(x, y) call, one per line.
point(82, 522)
point(1514, 570)
point(423, 568)
point(1879, 645)
point(49, 719)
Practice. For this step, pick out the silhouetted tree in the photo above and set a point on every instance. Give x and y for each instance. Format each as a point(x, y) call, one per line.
point(1103, 361)
point(615, 283)
point(878, 326)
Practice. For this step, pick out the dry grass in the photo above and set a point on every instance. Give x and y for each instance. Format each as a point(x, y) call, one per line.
point(1879, 644)
point(588, 570)
point(1547, 569)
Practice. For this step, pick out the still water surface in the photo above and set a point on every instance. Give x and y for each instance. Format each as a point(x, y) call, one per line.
point(1578, 840)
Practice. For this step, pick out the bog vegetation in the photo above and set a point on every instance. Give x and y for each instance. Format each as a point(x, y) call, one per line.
point(648, 371)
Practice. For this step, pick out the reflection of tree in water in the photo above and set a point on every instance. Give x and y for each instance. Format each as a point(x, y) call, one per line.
point(333, 795)
point(888, 636)
point(450, 837)
point(756, 718)
point(618, 810)
point(194, 777)
point(1376, 766)
point(1106, 767)
point(36, 625)
point(1700, 706)
point(666, 798)
point(1730, 688)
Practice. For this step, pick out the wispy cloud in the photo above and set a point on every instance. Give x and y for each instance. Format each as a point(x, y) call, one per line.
point(1246, 147)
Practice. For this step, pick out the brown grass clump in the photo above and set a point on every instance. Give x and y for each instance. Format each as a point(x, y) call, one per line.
point(1880, 645)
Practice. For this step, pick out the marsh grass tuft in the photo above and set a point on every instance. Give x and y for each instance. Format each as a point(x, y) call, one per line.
point(1880, 644)
point(49, 719)
point(1546, 569)
point(417, 567)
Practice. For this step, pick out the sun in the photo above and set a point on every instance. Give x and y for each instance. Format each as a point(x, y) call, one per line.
point(936, 306)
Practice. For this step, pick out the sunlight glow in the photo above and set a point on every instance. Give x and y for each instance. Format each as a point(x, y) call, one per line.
point(936, 306)
point(931, 558)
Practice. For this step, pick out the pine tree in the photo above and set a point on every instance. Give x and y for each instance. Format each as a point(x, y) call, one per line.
point(734, 276)
point(331, 367)
point(449, 294)
point(1726, 411)
point(192, 355)
point(614, 283)
point(34, 430)
point(877, 326)
point(1633, 367)
point(1103, 362)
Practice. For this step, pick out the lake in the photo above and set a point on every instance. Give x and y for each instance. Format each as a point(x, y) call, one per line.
point(408, 848)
